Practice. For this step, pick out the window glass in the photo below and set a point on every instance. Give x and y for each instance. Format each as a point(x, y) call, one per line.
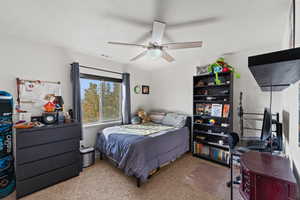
point(110, 100)
point(100, 100)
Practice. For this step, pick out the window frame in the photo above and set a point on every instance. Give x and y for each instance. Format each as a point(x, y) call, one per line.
point(108, 79)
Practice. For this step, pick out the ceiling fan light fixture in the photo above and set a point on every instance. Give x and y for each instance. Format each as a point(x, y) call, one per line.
point(154, 53)
point(155, 49)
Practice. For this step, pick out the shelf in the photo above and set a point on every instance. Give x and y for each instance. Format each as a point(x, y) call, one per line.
point(207, 133)
point(211, 125)
point(212, 75)
point(213, 144)
point(216, 95)
point(208, 101)
point(212, 86)
point(284, 65)
point(210, 117)
point(210, 159)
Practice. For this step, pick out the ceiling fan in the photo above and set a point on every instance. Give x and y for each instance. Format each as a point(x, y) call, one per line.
point(155, 48)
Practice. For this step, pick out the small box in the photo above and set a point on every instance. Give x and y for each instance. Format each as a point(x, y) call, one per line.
point(25, 117)
point(87, 156)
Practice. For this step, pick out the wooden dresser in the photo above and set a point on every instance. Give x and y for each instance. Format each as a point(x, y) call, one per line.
point(46, 156)
point(265, 176)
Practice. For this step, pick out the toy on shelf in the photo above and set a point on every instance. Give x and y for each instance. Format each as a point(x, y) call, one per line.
point(221, 66)
point(212, 121)
point(59, 103)
point(49, 107)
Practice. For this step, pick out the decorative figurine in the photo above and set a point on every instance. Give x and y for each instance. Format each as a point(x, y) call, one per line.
point(221, 66)
point(212, 121)
point(49, 107)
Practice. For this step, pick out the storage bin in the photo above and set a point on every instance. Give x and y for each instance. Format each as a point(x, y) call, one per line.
point(88, 156)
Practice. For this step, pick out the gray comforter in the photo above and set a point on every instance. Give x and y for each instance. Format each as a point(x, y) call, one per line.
point(138, 155)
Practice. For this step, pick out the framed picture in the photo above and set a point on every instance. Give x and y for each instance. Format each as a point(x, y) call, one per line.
point(145, 89)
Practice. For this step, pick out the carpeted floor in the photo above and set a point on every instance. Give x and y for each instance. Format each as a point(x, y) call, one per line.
point(187, 178)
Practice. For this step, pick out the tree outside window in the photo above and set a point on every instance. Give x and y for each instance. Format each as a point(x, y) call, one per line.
point(100, 100)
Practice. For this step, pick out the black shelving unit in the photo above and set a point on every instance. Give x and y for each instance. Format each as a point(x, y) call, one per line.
point(210, 129)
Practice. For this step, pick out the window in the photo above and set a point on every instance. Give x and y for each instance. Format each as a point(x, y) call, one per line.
point(100, 99)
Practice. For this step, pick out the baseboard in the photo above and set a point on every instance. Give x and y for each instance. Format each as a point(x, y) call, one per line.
point(297, 176)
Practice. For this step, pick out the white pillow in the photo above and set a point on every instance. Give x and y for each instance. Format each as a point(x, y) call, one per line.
point(174, 119)
point(157, 117)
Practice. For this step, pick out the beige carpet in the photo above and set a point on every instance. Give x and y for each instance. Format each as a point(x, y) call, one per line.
point(186, 179)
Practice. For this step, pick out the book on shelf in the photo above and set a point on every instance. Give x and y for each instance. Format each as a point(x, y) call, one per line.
point(200, 108)
point(216, 110)
point(205, 150)
point(207, 109)
point(212, 152)
point(218, 154)
point(226, 108)
point(200, 148)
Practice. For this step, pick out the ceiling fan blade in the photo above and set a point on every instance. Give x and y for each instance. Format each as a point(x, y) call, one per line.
point(158, 32)
point(139, 56)
point(143, 38)
point(137, 22)
point(193, 23)
point(167, 56)
point(168, 38)
point(182, 45)
point(127, 44)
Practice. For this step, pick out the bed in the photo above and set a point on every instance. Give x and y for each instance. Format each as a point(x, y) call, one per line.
point(141, 150)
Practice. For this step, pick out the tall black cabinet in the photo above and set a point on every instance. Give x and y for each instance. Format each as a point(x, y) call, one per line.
point(212, 117)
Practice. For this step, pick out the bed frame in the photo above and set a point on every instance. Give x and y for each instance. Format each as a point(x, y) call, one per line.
point(138, 180)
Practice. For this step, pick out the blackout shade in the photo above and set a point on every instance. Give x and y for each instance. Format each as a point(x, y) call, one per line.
point(101, 78)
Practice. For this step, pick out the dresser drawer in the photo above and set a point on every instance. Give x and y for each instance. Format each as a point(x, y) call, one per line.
point(44, 151)
point(38, 136)
point(42, 166)
point(39, 182)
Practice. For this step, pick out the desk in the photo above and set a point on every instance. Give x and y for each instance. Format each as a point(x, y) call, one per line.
point(265, 176)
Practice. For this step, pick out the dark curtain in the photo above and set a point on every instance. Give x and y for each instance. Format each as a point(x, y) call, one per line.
point(126, 105)
point(75, 78)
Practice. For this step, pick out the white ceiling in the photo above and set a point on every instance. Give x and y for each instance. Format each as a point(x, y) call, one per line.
point(87, 25)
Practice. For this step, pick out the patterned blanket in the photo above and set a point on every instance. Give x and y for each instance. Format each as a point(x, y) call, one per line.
point(144, 129)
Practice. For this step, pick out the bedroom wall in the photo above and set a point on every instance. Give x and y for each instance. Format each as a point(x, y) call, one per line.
point(291, 105)
point(254, 100)
point(291, 123)
point(30, 60)
point(172, 86)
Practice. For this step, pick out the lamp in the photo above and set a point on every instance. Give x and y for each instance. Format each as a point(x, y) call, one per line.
point(154, 53)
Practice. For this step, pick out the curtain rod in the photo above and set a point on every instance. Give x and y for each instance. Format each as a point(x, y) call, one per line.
point(99, 69)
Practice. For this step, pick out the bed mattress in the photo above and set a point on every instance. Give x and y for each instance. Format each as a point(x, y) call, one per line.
point(137, 154)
